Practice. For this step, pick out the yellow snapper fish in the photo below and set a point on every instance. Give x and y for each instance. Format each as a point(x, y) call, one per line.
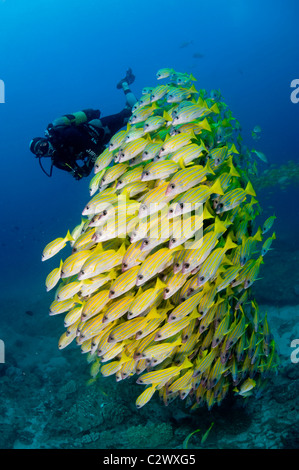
point(234, 198)
point(172, 328)
point(154, 264)
point(164, 73)
point(100, 201)
point(200, 249)
point(95, 304)
point(173, 143)
point(67, 291)
point(132, 149)
point(118, 308)
point(124, 282)
point(190, 113)
point(188, 153)
point(116, 140)
point(103, 160)
point(154, 201)
point(100, 262)
point(52, 248)
point(133, 256)
point(145, 299)
point(211, 265)
point(134, 133)
point(151, 150)
point(126, 329)
point(73, 263)
point(185, 308)
point(186, 179)
point(145, 396)
point(193, 198)
point(57, 306)
point(89, 286)
point(153, 123)
point(268, 224)
point(78, 230)
point(95, 182)
point(163, 375)
point(159, 170)
point(53, 277)
point(246, 388)
point(267, 244)
point(129, 177)
point(113, 173)
point(158, 92)
point(141, 114)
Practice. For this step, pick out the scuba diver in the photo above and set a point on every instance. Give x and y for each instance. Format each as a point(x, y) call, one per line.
point(82, 136)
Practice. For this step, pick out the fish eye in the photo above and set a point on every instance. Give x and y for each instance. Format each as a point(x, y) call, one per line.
point(125, 265)
point(62, 272)
point(140, 277)
point(182, 205)
point(202, 278)
point(170, 211)
point(158, 335)
point(104, 212)
point(145, 242)
point(173, 240)
point(187, 265)
point(103, 179)
point(167, 290)
point(120, 182)
point(146, 173)
point(220, 205)
point(112, 292)
point(82, 272)
point(172, 186)
point(162, 148)
point(177, 265)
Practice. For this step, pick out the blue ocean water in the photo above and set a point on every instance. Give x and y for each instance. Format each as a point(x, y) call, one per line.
point(58, 57)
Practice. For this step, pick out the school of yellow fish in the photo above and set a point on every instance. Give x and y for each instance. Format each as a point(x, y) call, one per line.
point(158, 283)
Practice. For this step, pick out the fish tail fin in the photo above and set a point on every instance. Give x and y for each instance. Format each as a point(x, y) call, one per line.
point(205, 125)
point(258, 236)
point(167, 116)
point(249, 189)
point(69, 237)
point(215, 109)
point(219, 226)
point(229, 243)
point(216, 188)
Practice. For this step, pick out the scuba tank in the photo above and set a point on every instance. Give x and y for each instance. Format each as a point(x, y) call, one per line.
point(74, 119)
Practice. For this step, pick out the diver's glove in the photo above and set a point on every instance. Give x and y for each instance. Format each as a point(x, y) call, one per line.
point(129, 79)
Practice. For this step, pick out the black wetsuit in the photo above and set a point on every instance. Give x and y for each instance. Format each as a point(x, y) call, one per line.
point(83, 142)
